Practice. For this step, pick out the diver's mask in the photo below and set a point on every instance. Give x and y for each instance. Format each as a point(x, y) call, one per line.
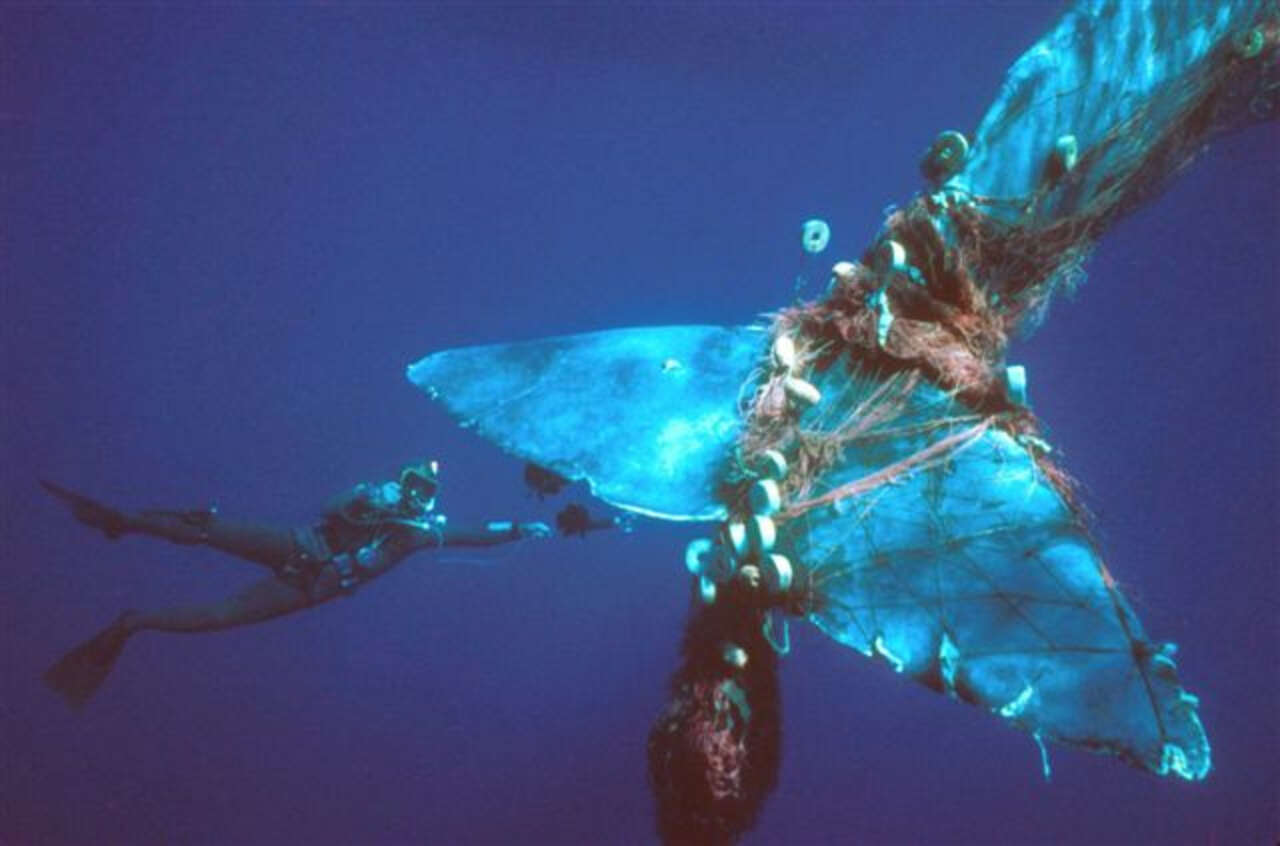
point(418, 485)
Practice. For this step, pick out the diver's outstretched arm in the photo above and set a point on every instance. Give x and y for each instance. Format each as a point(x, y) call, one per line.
point(492, 533)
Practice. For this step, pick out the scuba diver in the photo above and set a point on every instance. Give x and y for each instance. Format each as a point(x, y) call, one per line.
point(363, 535)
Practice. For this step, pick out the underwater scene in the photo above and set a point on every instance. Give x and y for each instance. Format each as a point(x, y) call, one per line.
point(786, 423)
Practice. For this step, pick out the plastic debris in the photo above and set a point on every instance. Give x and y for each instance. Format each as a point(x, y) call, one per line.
point(762, 534)
point(1015, 376)
point(816, 235)
point(779, 573)
point(765, 497)
point(802, 392)
point(772, 464)
point(945, 156)
point(784, 352)
point(734, 655)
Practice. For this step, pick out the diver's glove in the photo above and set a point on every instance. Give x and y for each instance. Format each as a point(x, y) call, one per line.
point(533, 530)
point(519, 531)
point(574, 519)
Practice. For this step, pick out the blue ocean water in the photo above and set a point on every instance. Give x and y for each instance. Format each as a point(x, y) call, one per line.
point(223, 234)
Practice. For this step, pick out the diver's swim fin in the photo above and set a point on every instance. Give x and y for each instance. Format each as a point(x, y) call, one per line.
point(77, 675)
point(90, 512)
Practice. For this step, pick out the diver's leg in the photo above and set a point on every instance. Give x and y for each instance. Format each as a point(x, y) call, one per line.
point(78, 674)
point(90, 512)
point(269, 546)
point(260, 601)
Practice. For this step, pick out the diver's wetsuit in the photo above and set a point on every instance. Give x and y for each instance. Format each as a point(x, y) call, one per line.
point(361, 535)
point(364, 535)
point(349, 535)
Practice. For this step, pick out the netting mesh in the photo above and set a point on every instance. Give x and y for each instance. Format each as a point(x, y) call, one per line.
point(934, 541)
point(715, 750)
point(983, 267)
point(1093, 122)
point(929, 524)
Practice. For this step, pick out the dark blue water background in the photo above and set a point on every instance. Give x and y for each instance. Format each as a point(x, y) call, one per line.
point(226, 231)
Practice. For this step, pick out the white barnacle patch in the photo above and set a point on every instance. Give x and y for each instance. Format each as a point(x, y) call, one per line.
point(1174, 760)
point(1044, 755)
point(1018, 704)
point(882, 649)
point(948, 663)
point(1032, 443)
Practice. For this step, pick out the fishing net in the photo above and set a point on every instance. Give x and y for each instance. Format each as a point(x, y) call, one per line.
point(929, 523)
point(921, 516)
